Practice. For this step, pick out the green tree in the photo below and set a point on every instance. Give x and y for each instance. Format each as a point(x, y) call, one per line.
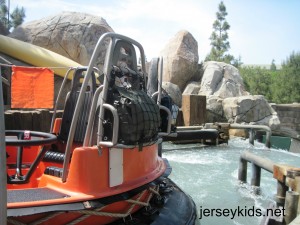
point(219, 39)
point(4, 15)
point(273, 66)
point(287, 86)
point(259, 81)
point(11, 20)
point(17, 16)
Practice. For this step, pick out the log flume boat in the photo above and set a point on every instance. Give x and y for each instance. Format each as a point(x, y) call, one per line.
point(100, 162)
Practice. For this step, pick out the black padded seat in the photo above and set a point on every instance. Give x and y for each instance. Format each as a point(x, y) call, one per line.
point(70, 105)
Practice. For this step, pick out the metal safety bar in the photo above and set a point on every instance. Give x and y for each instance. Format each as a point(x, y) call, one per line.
point(59, 96)
point(115, 130)
point(161, 107)
point(251, 133)
point(103, 94)
point(62, 87)
point(3, 175)
point(158, 95)
point(160, 74)
point(108, 66)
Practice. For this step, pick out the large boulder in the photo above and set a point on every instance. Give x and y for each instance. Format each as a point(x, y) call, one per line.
point(252, 109)
point(71, 34)
point(180, 57)
point(214, 109)
point(221, 80)
point(174, 92)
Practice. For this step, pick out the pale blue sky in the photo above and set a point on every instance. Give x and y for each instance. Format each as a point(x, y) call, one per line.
point(261, 30)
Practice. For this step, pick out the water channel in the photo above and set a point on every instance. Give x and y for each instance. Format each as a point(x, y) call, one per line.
point(209, 176)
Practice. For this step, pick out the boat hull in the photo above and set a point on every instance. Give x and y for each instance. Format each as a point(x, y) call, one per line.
point(159, 202)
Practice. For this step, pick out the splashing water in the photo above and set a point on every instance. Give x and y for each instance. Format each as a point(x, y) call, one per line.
point(209, 176)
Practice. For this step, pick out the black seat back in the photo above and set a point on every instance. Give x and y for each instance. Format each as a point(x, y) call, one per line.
point(70, 104)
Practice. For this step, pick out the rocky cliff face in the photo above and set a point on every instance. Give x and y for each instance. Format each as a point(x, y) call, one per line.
point(71, 34)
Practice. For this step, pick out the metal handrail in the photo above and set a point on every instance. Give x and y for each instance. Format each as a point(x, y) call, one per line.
point(159, 93)
point(115, 129)
point(286, 176)
point(3, 175)
point(160, 72)
point(107, 70)
point(169, 121)
point(255, 127)
point(59, 96)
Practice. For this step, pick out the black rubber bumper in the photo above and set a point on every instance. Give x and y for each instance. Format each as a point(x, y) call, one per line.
point(179, 208)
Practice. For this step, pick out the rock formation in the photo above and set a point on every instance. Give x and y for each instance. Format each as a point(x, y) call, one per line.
point(192, 88)
point(252, 109)
point(221, 80)
point(221, 83)
point(180, 59)
point(71, 34)
point(227, 99)
point(174, 92)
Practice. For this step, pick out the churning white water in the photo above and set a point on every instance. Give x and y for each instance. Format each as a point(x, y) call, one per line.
point(209, 176)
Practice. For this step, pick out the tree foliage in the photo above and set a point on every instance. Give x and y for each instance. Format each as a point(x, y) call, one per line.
point(219, 39)
point(9, 20)
point(259, 81)
point(279, 86)
point(17, 16)
point(273, 66)
point(288, 83)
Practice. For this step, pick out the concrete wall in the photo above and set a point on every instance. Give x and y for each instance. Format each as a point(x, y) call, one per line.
point(289, 116)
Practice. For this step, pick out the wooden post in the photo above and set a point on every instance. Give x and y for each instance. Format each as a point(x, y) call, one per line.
point(281, 193)
point(291, 206)
point(297, 189)
point(193, 109)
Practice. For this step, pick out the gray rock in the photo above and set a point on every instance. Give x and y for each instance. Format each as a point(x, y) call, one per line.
point(180, 57)
point(222, 80)
point(192, 88)
point(174, 92)
point(214, 110)
point(71, 34)
point(252, 109)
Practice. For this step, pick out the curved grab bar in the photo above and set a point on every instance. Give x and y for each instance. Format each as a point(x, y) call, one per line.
point(115, 129)
point(154, 94)
point(169, 121)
